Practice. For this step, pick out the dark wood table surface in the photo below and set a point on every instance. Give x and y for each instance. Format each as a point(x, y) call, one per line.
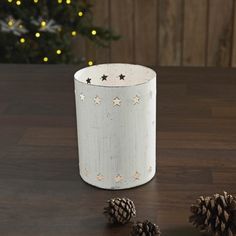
point(41, 192)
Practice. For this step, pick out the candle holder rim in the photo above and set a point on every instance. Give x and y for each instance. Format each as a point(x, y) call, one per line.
point(80, 71)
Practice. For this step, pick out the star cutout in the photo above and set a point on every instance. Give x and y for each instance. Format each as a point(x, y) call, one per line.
point(136, 99)
point(104, 77)
point(88, 81)
point(97, 100)
point(100, 177)
point(122, 77)
point(82, 97)
point(136, 175)
point(118, 178)
point(116, 101)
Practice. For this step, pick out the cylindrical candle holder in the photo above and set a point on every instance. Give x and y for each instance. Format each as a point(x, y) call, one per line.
point(116, 124)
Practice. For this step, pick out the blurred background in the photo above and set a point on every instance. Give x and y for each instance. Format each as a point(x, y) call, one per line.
point(148, 32)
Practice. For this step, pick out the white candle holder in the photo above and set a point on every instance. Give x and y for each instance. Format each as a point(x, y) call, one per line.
point(116, 125)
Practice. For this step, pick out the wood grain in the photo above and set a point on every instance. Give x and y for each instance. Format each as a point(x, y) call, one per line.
point(100, 18)
point(122, 22)
point(165, 32)
point(233, 55)
point(220, 32)
point(195, 30)
point(170, 32)
point(145, 35)
point(41, 191)
point(79, 46)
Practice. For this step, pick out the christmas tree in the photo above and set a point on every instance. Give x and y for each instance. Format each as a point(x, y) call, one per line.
point(41, 31)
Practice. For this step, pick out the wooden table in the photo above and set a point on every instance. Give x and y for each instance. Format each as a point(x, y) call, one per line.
point(41, 192)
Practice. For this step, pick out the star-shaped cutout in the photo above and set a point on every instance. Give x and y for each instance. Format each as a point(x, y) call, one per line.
point(88, 81)
point(82, 97)
point(118, 178)
point(136, 175)
point(136, 99)
point(122, 77)
point(97, 100)
point(100, 177)
point(104, 77)
point(116, 101)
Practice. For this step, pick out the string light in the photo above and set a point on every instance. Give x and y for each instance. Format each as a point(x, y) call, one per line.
point(93, 32)
point(9, 1)
point(10, 23)
point(68, 1)
point(90, 63)
point(36, 1)
point(58, 51)
point(59, 1)
point(18, 3)
point(43, 23)
point(45, 59)
point(73, 33)
point(37, 35)
point(22, 40)
point(80, 13)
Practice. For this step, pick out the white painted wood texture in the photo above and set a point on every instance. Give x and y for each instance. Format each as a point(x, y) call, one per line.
point(116, 125)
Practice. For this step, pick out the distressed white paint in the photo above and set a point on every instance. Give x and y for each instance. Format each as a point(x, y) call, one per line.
point(116, 124)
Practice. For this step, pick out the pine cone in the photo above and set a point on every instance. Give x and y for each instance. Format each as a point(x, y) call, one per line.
point(216, 214)
point(120, 210)
point(145, 228)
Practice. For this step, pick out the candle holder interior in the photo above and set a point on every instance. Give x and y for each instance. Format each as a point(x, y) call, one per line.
point(115, 75)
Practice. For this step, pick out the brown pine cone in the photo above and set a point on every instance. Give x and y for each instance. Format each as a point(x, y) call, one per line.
point(145, 228)
point(120, 210)
point(216, 214)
